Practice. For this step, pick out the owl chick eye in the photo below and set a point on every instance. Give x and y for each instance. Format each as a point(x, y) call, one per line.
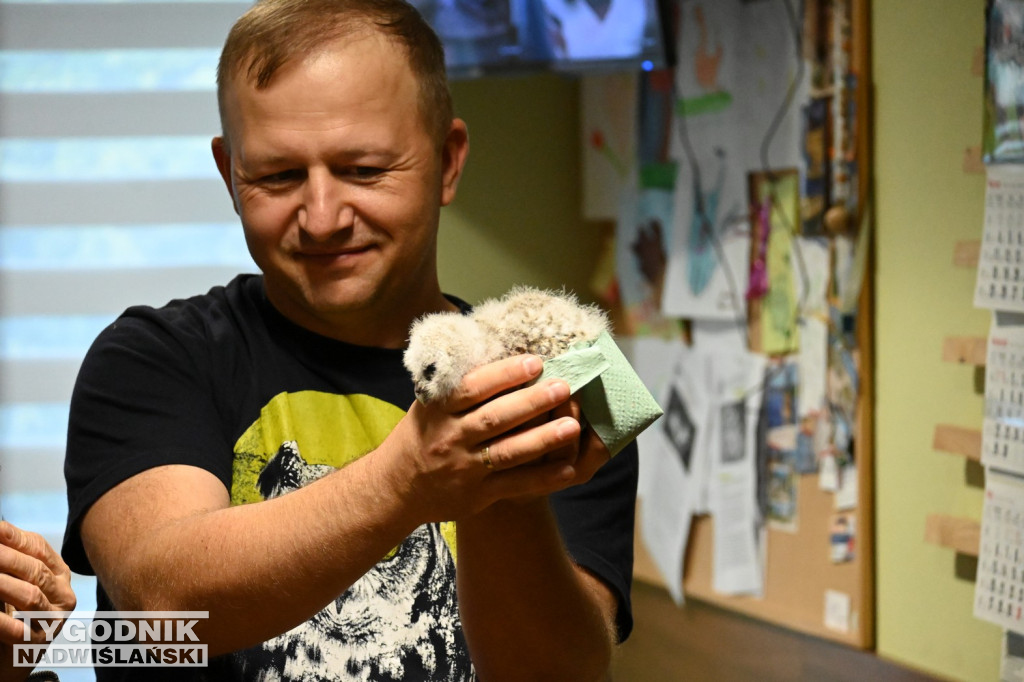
point(428, 371)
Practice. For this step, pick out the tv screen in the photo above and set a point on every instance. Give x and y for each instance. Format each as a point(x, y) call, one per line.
point(494, 36)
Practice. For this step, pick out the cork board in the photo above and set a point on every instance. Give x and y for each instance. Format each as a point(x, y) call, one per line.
point(801, 581)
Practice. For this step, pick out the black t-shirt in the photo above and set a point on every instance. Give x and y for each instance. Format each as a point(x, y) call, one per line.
point(225, 383)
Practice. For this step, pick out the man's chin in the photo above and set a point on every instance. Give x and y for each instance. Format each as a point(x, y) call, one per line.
point(321, 300)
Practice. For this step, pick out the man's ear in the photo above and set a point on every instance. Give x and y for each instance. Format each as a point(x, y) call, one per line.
point(223, 158)
point(453, 159)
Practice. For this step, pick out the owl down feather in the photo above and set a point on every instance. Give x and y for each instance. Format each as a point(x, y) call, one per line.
point(444, 347)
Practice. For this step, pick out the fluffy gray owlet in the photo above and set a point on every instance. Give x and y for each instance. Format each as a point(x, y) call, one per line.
point(444, 347)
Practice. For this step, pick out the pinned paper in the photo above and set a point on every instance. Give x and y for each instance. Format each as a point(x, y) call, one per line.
point(837, 611)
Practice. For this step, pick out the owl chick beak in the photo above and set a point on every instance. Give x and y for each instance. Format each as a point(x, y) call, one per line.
point(422, 386)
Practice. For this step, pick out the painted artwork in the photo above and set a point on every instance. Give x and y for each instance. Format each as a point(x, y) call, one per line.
point(775, 197)
point(642, 237)
point(608, 111)
point(738, 88)
point(1004, 82)
point(707, 267)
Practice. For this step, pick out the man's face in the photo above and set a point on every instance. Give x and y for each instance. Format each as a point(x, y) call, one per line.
point(339, 185)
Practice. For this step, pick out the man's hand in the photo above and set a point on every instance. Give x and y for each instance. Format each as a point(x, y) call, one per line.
point(588, 453)
point(494, 439)
point(33, 577)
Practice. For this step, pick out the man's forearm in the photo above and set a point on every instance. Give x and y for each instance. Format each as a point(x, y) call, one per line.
point(528, 612)
point(258, 569)
point(166, 538)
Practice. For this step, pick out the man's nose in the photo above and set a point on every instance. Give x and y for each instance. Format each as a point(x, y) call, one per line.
point(325, 207)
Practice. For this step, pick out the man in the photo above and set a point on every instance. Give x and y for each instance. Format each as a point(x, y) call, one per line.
point(249, 453)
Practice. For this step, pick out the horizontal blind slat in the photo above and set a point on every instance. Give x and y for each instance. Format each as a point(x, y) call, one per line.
point(35, 381)
point(32, 469)
point(109, 113)
point(167, 201)
point(30, 26)
point(71, 293)
point(55, 160)
point(115, 247)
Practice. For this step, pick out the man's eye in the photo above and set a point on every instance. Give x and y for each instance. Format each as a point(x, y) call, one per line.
point(366, 171)
point(280, 178)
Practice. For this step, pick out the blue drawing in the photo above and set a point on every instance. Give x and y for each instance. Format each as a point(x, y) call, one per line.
point(702, 257)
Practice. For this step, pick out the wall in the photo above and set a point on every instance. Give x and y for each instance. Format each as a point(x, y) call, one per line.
point(927, 111)
point(516, 219)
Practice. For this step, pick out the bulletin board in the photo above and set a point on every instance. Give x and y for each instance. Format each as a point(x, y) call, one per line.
point(804, 589)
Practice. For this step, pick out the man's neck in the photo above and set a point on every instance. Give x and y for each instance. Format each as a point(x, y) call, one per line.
point(374, 325)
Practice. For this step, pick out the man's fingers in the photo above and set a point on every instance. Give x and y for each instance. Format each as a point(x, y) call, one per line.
point(532, 480)
point(30, 584)
point(555, 471)
point(25, 568)
point(12, 630)
point(34, 545)
point(23, 595)
point(506, 414)
point(520, 448)
point(492, 379)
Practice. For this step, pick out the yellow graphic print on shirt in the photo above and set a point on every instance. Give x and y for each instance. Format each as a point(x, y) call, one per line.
point(400, 620)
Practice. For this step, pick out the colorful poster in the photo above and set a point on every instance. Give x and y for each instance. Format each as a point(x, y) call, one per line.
point(781, 437)
point(1003, 139)
point(739, 89)
point(706, 275)
point(608, 126)
point(776, 196)
point(642, 238)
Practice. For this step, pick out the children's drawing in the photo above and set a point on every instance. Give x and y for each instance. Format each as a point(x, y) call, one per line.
point(703, 257)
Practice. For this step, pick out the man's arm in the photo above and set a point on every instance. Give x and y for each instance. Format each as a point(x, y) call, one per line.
point(166, 539)
point(528, 611)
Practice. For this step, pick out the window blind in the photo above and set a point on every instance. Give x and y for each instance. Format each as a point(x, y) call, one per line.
point(109, 197)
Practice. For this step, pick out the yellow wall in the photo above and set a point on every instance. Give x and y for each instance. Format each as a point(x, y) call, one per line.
point(927, 111)
point(517, 219)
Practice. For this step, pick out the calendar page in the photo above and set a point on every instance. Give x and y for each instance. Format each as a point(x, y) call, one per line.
point(1002, 444)
point(1000, 283)
point(999, 590)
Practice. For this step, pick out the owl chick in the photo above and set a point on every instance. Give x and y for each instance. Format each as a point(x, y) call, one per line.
point(444, 347)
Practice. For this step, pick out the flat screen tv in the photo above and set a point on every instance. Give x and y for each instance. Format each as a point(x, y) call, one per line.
point(510, 36)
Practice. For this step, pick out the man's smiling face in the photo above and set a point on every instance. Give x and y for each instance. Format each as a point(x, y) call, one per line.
point(338, 183)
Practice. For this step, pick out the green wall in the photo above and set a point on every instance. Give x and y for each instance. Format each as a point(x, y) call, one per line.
point(516, 218)
point(927, 112)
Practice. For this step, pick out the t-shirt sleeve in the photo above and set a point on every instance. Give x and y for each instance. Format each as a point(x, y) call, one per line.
point(596, 520)
point(142, 399)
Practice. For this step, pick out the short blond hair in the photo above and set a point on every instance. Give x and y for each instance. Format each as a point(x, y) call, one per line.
point(274, 32)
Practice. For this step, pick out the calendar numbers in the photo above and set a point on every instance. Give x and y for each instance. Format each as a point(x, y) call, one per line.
point(1002, 444)
point(999, 589)
point(1000, 283)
